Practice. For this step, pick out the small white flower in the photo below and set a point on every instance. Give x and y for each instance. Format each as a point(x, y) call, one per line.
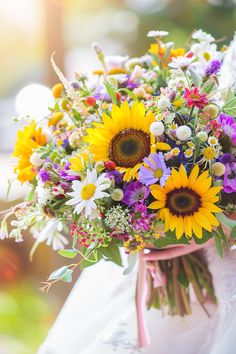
point(175, 151)
point(188, 153)
point(86, 192)
point(51, 234)
point(183, 132)
point(181, 62)
point(157, 128)
point(36, 160)
point(157, 34)
point(202, 36)
point(163, 103)
point(43, 193)
point(212, 141)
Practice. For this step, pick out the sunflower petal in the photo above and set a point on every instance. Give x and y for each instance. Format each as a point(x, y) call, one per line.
point(156, 205)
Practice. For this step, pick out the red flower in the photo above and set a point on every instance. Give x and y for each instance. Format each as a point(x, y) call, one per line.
point(195, 98)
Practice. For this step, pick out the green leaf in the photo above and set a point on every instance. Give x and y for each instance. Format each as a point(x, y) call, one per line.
point(206, 235)
point(132, 259)
point(230, 95)
point(130, 93)
point(72, 253)
point(86, 263)
point(218, 245)
point(170, 239)
point(63, 273)
point(111, 253)
point(208, 87)
point(183, 280)
point(226, 221)
point(230, 107)
point(233, 232)
point(31, 194)
point(194, 77)
point(76, 115)
point(110, 92)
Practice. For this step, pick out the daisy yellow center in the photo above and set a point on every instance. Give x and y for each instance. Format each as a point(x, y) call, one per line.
point(88, 191)
point(207, 56)
point(158, 173)
point(209, 153)
point(129, 147)
point(183, 201)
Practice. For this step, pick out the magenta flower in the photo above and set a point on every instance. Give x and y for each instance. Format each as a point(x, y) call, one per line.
point(155, 170)
point(228, 124)
point(195, 98)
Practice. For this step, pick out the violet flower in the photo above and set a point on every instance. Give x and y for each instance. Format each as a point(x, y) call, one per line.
point(44, 175)
point(135, 192)
point(213, 67)
point(155, 171)
point(229, 185)
point(228, 124)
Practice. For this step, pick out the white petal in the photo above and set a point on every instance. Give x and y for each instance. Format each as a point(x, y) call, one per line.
point(79, 207)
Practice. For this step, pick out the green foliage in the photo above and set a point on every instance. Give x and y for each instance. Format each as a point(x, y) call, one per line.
point(71, 253)
point(110, 92)
point(170, 239)
point(63, 273)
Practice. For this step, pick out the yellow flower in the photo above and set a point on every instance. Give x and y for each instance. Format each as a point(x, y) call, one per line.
point(178, 103)
point(55, 118)
point(78, 162)
point(98, 72)
point(209, 153)
point(123, 138)
point(28, 140)
point(135, 244)
point(116, 71)
point(57, 90)
point(187, 203)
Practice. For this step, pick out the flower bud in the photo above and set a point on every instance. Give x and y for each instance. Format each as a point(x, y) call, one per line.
point(117, 195)
point(212, 110)
point(110, 165)
point(99, 166)
point(218, 169)
point(57, 90)
point(157, 128)
point(202, 136)
point(90, 101)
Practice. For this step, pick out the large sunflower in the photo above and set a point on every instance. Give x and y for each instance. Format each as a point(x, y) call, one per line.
point(187, 203)
point(124, 138)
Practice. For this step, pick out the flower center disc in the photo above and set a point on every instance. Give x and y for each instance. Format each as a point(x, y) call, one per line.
point(183, 202)
point(129, 147)
point(88, 191)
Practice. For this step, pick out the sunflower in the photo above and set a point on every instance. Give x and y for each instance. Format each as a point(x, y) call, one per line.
point(124, 138)
point(187, 203)
point(29, 139)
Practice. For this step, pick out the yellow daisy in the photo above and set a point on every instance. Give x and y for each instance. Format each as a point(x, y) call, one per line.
point(124, 138)
point(187, 203)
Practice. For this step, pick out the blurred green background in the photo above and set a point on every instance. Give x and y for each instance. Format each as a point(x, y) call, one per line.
point(30, 30)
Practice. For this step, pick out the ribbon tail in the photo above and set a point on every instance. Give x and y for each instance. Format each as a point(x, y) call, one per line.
point(141, 293)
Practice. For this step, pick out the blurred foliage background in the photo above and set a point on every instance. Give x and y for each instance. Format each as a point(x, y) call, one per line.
point(30, 30)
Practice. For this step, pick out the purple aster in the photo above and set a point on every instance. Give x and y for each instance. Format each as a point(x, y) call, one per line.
point(44, 175)
point(65, 143)
point(213, 67)
point(155, 171)
point(229, 161)
point(135, 192)
point(228, 124)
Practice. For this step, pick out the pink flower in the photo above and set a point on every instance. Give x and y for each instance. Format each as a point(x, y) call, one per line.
point(195, 98)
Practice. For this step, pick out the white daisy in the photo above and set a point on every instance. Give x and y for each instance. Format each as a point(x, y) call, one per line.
point(181, 62)
point(157, 34)
point(86, 192)
point(202, 36)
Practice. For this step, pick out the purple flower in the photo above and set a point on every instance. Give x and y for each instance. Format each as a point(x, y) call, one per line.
point(140, 218)
point(213, 67)
point(229, 161)
point(135, 192)
point(67, 176)
point(44, 175)
point(115, 175)
point(156, 170)
point(228, 124)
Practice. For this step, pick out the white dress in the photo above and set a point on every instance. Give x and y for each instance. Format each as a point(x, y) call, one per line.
point(99, 316)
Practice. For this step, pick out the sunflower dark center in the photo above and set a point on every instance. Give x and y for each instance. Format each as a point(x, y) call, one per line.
point(129, 147)
point(183, 201)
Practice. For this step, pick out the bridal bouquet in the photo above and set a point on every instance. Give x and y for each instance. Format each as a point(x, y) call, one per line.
point(139, 154)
